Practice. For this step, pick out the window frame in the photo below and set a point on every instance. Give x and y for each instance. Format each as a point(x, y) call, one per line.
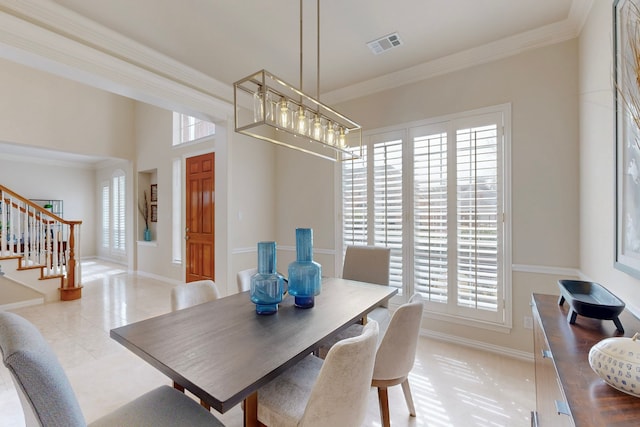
point(502, 321)
point(177, 131)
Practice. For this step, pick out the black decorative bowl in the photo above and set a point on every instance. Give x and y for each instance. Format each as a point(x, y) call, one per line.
point(590, 299)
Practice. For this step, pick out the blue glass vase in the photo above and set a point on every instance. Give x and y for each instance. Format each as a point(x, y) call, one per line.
point(304, 273)
point(267, 285)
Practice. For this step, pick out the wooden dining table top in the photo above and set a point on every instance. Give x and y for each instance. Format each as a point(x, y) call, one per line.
point(222, 351)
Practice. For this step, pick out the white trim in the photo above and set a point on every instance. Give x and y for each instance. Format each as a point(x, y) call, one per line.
point(48, 36)
point(544, 269)
point(516, 44)
point(315, 250)
point(478, 345)
point(157, 277)
point(248, 250)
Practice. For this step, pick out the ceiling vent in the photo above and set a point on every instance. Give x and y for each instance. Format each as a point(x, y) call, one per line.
point(385, 43)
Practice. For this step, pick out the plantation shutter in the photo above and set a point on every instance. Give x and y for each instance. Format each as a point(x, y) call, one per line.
point(387, 203)
point(354, 202)
point(119, 220)
point(106, 226)
point(477, 215)
point(430, 228)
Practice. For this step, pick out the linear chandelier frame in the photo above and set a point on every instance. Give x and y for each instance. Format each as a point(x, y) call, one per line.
point(268, 108)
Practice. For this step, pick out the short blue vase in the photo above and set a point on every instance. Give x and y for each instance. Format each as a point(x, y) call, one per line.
point(267, 285)
point(305, 274)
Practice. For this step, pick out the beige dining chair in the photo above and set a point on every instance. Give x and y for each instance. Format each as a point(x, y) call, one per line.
point(396, 355)
point(243, 279)
point(314, 393)
point(190, 294)
point(193, 293)
point(47, 398)
point(364, 264)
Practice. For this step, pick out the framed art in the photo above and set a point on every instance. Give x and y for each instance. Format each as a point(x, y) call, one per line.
point(626, 23)
point(154, 213)
point(154, 192)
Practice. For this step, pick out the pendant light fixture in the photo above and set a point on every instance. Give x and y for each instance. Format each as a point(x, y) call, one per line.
point(268, 108)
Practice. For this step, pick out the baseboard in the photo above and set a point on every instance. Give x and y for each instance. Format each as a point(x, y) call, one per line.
point(479, 345)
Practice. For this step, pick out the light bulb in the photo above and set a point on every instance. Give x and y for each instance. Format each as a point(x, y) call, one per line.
point(342, 138)
point(317, 128)
point(302, 121)
point(258, 105)
point(330, 133)
point(284, 112)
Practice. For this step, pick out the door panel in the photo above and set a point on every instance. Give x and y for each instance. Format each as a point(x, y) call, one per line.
point(200, 217)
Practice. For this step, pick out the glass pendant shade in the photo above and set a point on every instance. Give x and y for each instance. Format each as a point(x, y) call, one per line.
point(270, 109)
point(305, 275)
point(267, 285)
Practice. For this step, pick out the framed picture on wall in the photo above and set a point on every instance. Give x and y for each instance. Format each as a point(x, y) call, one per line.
point(627, 131)
point(154, 192)
point(154, 213)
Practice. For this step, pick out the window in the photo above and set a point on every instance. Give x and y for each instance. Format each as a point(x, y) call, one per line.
point(113, 215)
point(435, 193)
point(187, 129)
point(118, 213)
point(106, 226)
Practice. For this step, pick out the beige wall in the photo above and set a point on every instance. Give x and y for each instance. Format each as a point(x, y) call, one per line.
point(71, 183)
point(43, 110)
point(597, 158)
point(543, 90)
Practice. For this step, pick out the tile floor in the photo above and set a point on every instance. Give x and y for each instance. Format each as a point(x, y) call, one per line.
point(452, 385)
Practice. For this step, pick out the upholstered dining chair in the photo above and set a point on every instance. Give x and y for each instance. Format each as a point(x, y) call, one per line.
point(243, 279)
point(190, 294)
point(48, 400)
point(193, 293)
point(396, 355)
point(364, 264)
point(314, 393)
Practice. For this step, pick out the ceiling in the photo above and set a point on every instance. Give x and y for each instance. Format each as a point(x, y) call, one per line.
point(228, 40)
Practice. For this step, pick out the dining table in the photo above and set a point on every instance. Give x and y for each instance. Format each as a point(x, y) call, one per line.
point(223, 351)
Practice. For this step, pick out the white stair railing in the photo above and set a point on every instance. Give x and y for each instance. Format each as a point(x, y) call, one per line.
point(42, 239)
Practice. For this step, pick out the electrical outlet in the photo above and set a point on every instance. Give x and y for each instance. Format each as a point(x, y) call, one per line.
point(528, 322)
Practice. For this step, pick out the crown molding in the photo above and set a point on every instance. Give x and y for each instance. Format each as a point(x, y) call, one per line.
point(519, 43)
point(48, 36)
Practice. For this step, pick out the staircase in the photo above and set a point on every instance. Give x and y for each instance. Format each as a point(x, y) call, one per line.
point(39, 249)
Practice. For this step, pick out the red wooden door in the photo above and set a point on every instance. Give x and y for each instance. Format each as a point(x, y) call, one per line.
point(200, 217)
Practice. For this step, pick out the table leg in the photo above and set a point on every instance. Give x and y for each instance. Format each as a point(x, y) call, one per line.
point(251, 410)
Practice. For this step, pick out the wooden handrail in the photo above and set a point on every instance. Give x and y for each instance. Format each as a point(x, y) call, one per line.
point(35, 206)
point(71, 289)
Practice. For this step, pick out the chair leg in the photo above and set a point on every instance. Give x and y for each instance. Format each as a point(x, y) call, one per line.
point(178, 387)
point(383, 401)
point(408, 398)
point(205, 405)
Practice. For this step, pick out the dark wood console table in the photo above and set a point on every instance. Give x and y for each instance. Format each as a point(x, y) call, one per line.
point(563, 373)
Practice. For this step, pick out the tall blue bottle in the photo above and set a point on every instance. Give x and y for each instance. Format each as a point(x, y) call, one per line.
point(267, 285)
point(304, 273)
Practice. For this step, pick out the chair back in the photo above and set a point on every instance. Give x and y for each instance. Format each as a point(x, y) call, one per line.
point(45, 392)
point(397, 351)
point(341, 392)
point(243, 279)
point(193, 293)
point(367, 264)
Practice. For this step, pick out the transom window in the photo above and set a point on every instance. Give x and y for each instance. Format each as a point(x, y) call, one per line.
point(435, 192)
point(188, 129)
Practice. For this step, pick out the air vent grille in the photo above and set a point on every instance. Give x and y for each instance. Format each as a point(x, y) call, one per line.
point(385, 43)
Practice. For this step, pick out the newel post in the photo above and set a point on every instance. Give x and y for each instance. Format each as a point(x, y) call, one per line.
point(71, 290)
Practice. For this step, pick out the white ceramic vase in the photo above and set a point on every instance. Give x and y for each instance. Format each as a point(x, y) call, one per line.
point(617, 361)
